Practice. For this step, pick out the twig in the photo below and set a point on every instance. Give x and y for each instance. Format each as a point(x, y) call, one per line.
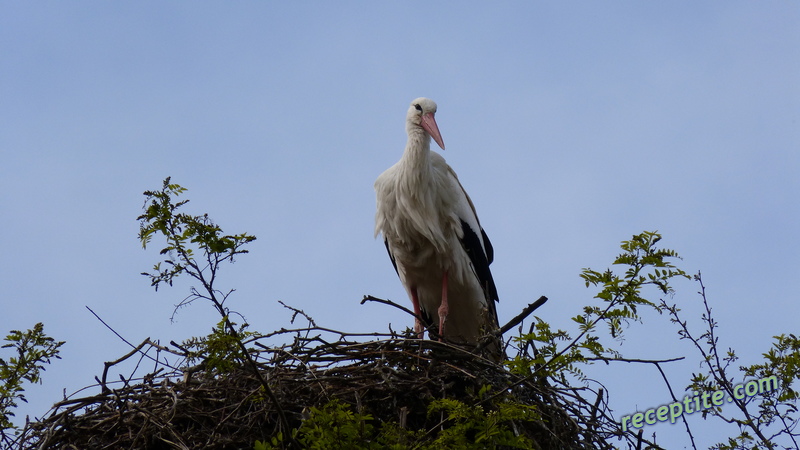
point(109, 327)
point(369, 298)
point(140, 346)
point(593, 417)
point(521, 316)
point(674, 398)
point(298, 312)
point(432, 329)
point(636, 360)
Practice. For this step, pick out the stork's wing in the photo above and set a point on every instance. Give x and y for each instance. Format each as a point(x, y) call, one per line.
point(478, 247)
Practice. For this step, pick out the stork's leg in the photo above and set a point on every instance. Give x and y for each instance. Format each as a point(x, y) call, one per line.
point(444, 309)
point(418, 328)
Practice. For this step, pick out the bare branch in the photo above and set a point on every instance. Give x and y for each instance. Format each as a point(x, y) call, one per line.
point(521, 316)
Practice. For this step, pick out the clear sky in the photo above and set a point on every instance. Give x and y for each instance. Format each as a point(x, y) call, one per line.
point(573, 125)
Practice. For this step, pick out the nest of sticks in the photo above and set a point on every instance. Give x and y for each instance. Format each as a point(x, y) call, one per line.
point(391, 377)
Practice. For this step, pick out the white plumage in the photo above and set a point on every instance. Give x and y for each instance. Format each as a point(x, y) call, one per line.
point(433, 236)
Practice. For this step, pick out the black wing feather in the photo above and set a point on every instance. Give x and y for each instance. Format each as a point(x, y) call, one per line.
point(480, 260)
point(391, 256)
point(487, 244)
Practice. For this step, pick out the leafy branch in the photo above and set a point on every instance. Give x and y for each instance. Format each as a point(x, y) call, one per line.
point(34, 349)
point(647, 265)
point(187, 236)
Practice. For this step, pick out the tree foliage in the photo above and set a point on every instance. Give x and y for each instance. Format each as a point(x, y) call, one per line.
point(33, 349)
point(195, 245)
point(335, 425)
point(558, 354)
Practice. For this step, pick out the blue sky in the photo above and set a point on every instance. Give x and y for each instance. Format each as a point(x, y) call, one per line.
point(573, 125)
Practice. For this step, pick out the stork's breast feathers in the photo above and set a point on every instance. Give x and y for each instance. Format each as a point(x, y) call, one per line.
point(425, 217)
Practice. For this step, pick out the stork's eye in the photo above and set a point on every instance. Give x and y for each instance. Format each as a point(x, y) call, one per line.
point(419, 108)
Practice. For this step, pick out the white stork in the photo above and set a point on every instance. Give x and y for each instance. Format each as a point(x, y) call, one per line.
point(433, 236)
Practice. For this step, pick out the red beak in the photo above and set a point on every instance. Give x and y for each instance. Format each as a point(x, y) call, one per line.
point(429, 125)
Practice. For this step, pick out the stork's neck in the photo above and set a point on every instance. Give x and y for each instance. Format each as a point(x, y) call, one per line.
point(418, 149)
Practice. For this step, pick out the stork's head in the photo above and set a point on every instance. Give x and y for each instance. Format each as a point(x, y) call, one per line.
point(421, 114)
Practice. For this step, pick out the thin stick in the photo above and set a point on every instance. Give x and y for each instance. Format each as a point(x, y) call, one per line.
point(521, 316)
point(109, 327)
point(369, 298)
